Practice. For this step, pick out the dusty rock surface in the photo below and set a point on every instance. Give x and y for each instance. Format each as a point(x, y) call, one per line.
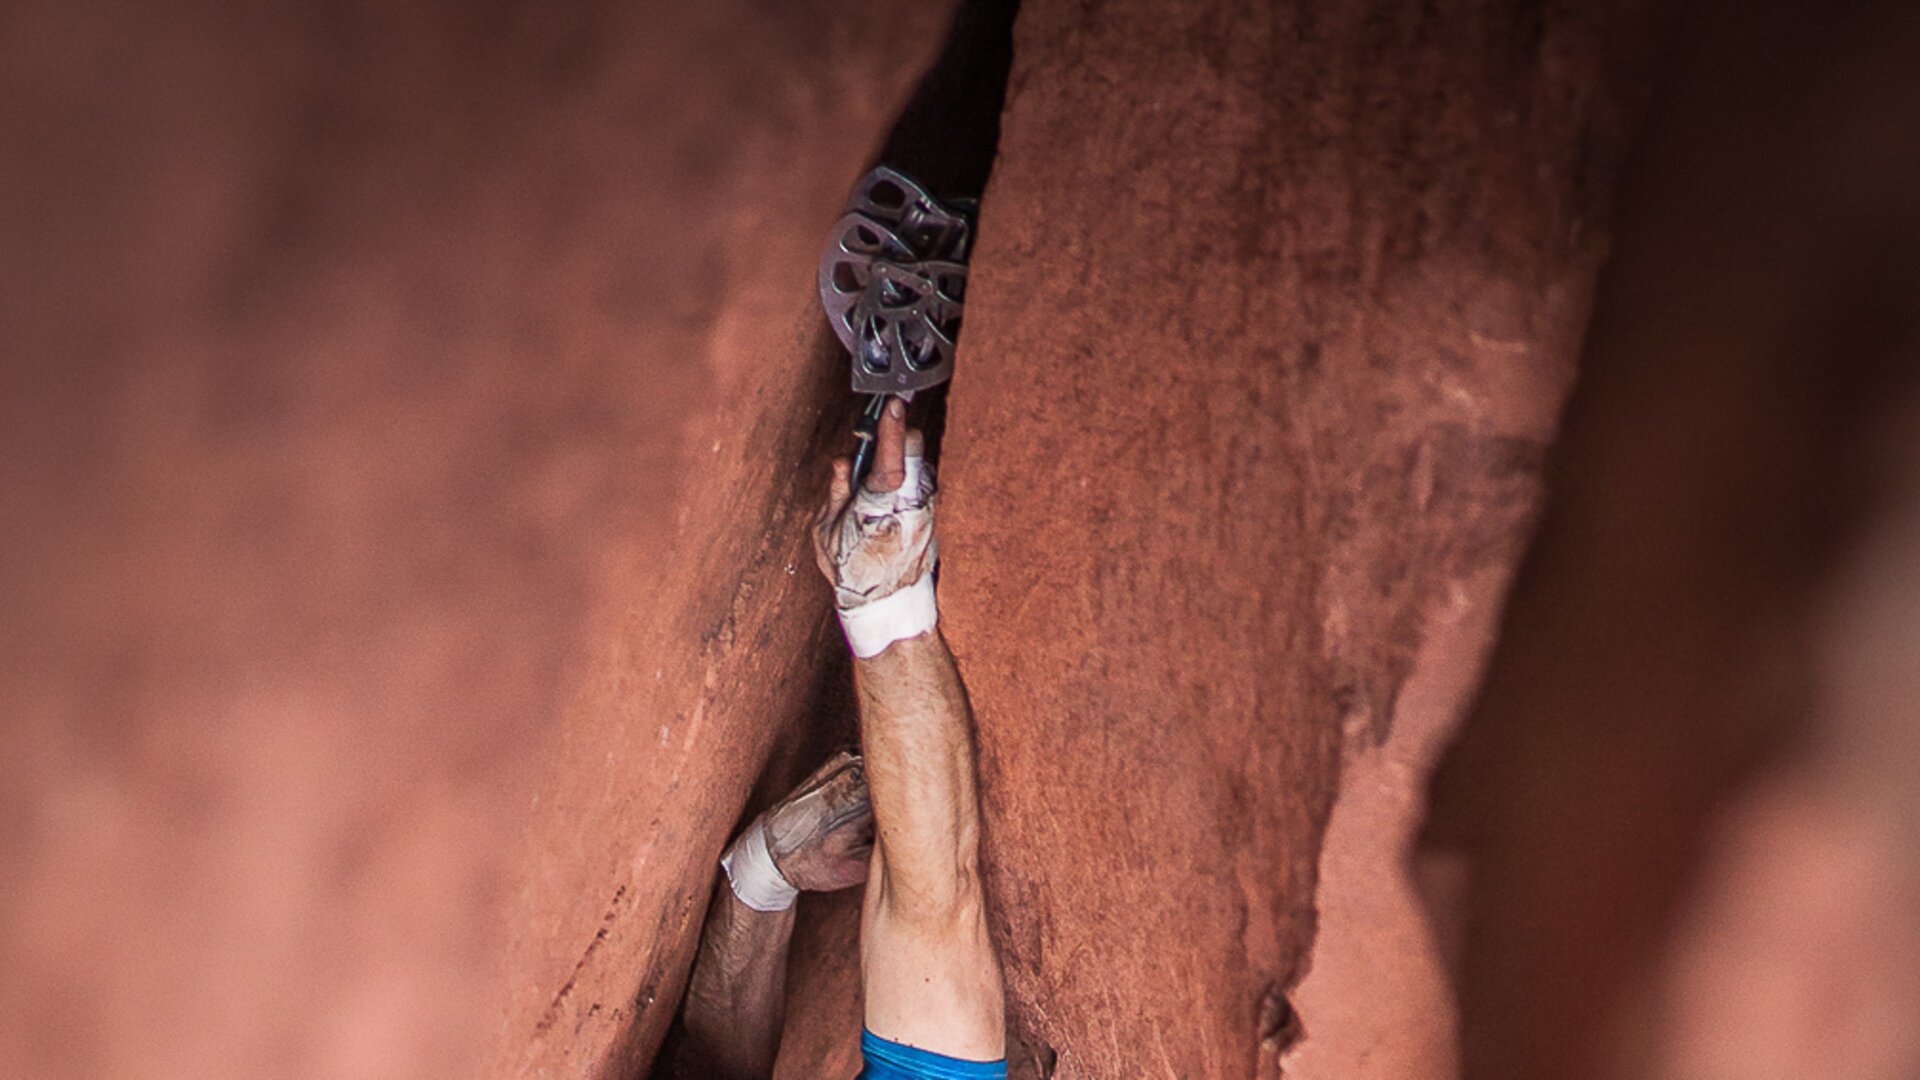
point(403, 586)
point(405, 423)
point(1273, 310)
point(1687, 854)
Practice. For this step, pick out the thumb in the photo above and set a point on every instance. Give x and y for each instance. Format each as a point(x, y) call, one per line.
point(840, 488)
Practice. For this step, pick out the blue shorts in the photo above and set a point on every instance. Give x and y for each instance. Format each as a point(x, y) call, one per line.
point(891, 1061)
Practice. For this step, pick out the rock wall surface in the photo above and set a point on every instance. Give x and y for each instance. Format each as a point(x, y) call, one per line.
point(1273, 311)
point(399, 422)
point(408, 413)
point(1687, 852)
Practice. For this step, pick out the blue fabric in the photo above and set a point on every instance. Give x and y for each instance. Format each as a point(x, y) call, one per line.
point(891, 1061)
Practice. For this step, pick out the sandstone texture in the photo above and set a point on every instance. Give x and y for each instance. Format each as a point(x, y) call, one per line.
point(1685, 851)
point(400, 424)
point(409, 414)
point(1273, 311)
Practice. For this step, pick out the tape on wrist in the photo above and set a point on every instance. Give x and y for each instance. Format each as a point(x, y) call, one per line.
point(753, 876)
point(900, 615)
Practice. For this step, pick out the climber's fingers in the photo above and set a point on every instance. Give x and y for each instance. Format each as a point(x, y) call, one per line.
point(839, 488)
point(839, 492)
point(890, 449)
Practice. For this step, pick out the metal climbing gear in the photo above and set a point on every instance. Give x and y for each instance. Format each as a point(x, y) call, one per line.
point(893, 279)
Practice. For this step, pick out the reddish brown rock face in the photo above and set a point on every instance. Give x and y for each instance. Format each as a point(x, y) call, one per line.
point(1687, 855)
point(408, 416)
point(1271, 316)
point(409, 413)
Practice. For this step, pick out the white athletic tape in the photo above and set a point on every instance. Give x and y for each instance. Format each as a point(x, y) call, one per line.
point(899, 615)
point(912, 466)
point(884, 555)
point(752, 874)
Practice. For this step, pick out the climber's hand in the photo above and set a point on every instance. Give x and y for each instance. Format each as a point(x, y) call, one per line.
point(821, 836)
point(879, 541)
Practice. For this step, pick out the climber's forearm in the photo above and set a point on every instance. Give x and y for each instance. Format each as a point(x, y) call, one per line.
point(932, 977)
point(736, 999)
point(917, 730)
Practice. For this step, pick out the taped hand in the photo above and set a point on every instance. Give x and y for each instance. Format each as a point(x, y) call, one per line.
point(876, 546)
point(817, 839)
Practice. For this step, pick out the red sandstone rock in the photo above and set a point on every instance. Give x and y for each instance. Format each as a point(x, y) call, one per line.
point(403, 582)
point(1272, 313)
point(407, 416)
point(1674, 794)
